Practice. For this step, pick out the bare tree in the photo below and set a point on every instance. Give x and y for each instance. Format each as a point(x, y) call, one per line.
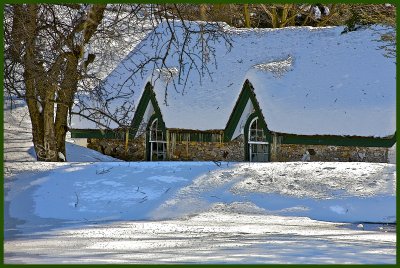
point(55, 54)
point(44, 52)
point(284, 15)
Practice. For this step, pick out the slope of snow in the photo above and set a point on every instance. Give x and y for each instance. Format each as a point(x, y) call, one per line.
point(338, 192)
point(334, 84)
point(18, 145)
point(182, 212)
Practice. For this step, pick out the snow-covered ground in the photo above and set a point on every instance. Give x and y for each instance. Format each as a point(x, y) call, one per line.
point(207, 238)
point(200, 212)
point(191, 212)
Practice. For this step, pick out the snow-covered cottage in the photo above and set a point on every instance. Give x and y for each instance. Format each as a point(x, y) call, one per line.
point(291, 94)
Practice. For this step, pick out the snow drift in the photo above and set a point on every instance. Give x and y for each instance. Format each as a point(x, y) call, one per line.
point(92, 192)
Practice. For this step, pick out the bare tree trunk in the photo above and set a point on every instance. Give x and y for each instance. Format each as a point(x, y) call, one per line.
point(32, 77)
point(246, 15)
point(65, 100)
point(203, 15)
point(49, 94)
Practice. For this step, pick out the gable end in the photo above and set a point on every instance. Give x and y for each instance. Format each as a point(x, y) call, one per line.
point(147, 97)
point(246, 94)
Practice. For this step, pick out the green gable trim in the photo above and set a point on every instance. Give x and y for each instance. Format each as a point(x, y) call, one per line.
point(148, 95)
point(237, 113)
point(337, 140)
point(97, 133)
point(141, 108)
point(246, 94)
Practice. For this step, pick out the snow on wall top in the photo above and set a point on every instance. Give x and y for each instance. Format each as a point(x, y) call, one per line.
point(307, 80)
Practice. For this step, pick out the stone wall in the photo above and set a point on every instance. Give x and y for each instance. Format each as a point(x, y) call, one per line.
point(234, 151)
point(207, 151)
point(116, 148)
point(178, 151)
point(295, 152)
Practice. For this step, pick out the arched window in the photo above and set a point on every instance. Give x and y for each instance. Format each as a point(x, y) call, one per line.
point(258, 145)
point(157, 143)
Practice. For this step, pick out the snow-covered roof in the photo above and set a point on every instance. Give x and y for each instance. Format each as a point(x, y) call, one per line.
point(308, 81)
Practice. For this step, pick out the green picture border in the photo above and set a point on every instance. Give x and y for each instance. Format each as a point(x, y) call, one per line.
point(184, 265)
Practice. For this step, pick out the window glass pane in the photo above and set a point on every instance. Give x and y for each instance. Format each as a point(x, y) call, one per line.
point(265, 148)
point(252, 135)
point(254, 148)
point(160, 135)
point(258, 148)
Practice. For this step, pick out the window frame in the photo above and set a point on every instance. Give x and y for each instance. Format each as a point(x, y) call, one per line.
point(264, 140)
point(157, 141)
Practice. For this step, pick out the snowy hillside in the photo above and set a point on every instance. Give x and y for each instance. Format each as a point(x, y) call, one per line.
point(202, 212)
point(303, 78)
point(338, 192)
point(18, 145)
